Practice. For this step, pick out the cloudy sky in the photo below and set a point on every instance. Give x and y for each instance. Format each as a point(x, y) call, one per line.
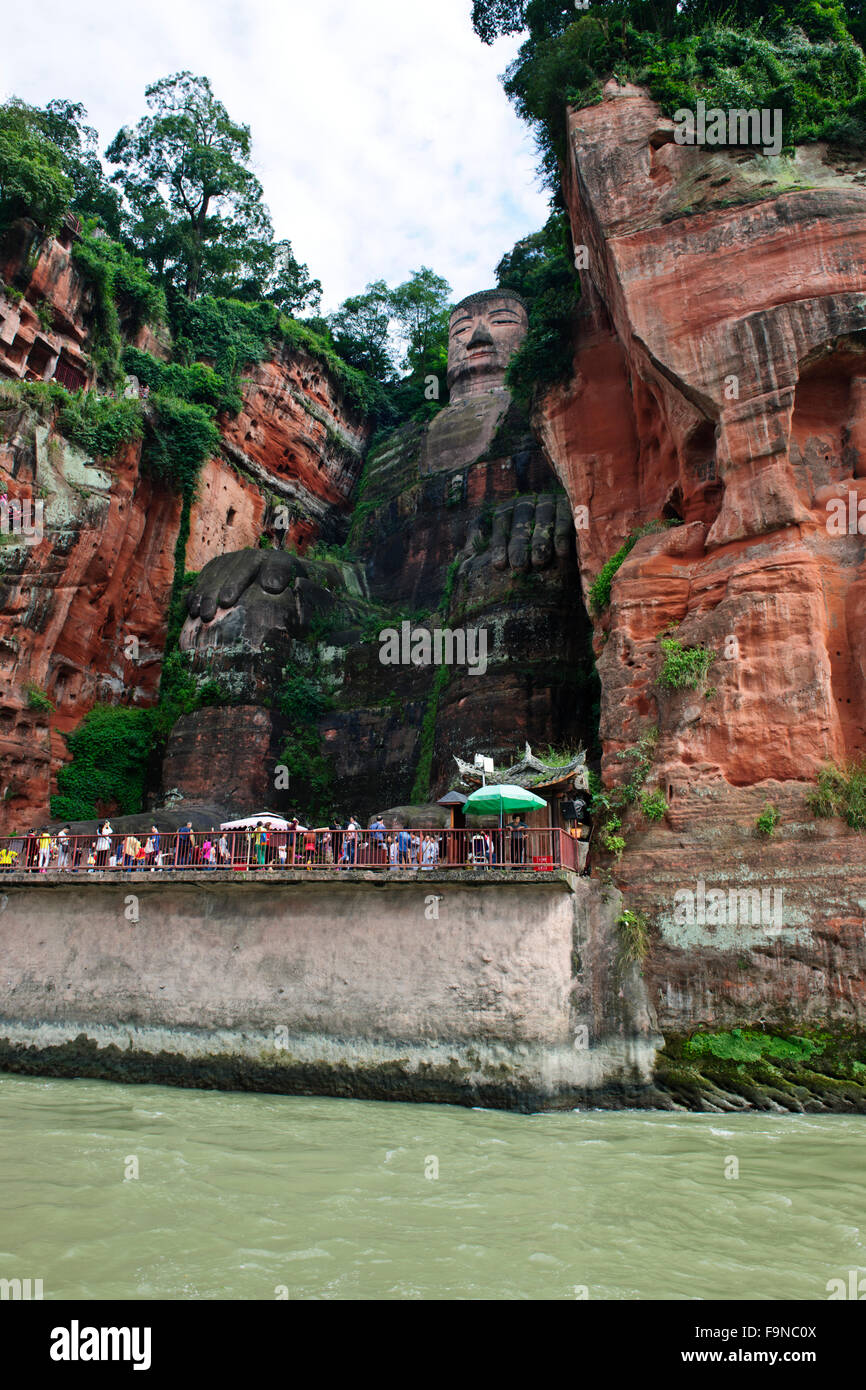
point(380, 131)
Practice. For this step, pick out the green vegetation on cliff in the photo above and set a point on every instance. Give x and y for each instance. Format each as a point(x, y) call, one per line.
point(805, 60)
point(123, 291)
point(541, 269)
point(302, 700)
point(110, 751)
point(683, 668)
point(115, 748)
point(421, 786)
point(841, 791)
point(600, 589)
point(609, 804)
point(811, 1070)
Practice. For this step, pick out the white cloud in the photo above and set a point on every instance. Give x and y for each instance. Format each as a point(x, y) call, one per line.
point(381, 133)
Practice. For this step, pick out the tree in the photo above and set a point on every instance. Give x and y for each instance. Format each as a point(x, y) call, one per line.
point(491, 18)
point(529, 266)
point(421, 309)
point(289, 284)
point(196, 209)
point(540, 268)
point(33, 178)
point(361, 328)
point(63, 123)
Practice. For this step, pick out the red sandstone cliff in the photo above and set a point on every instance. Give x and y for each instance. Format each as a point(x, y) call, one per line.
point(83, 611)
point(720, 379)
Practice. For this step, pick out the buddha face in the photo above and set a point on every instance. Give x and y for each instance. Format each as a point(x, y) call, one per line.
point(485, 332)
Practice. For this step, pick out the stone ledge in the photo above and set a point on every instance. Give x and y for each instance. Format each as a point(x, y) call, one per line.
point(565, 879)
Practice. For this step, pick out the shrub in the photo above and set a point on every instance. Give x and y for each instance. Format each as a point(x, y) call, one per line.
point(197, 384)
point(684, 668)
point(747, 1045)
point(841, 791)
point(421, 785)
point(654, 805)
point(599, 593)
point(805, 59)
point(110, 751)
point(37, 699)
point(123, 287)
point(231, 333)
point(611, 842)
point(607, 803)
point(767, 821)
point(99, 425)
point(600, 589)
point(303, 700)
point(540, 267)
point(180, 437)
point(633, 938)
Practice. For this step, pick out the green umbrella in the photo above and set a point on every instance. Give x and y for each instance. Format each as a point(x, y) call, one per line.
point(493, 801)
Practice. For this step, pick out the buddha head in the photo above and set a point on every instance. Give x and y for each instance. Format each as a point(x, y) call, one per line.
point(485, 331)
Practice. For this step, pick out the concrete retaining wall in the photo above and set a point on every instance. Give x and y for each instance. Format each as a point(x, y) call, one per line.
point(479, 989)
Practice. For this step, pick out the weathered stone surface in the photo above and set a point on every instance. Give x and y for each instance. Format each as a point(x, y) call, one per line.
point(84, 609)
point(509, 998)
point(719, 362)
point(228, 514)
point(767, 296)
point(223, 753)
point(43, 272)
point(485, 330)
point(295, 435)
point(459, 435)
point(84, 612)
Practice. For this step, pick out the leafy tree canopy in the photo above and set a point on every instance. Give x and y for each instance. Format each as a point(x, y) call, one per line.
point(805, 59)
point(421, 309)
point(196, 210)
point(33, 178)
point(57, 134)
point(540, 268)
point(361, 330)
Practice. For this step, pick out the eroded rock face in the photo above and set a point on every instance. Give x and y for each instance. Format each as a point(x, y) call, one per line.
point(84, 611)
point(297, 439)
point(718, 383)
point(44, 323)
point(84, 608)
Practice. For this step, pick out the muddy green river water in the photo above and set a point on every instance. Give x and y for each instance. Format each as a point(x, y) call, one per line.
point(147, 1192)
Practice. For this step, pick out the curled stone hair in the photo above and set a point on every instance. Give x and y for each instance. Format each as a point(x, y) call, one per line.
point(483, 296)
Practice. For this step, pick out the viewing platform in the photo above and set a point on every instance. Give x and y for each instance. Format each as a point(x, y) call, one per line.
point(517, 853)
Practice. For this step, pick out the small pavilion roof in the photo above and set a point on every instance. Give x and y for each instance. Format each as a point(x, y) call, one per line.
point(531, 772)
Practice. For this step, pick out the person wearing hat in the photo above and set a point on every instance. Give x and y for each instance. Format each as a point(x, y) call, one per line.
point(63, 849)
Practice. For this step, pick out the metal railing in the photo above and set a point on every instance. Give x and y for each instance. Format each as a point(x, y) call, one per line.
point(531, 850)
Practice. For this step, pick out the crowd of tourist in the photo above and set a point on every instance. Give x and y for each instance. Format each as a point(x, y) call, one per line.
point(259, 846)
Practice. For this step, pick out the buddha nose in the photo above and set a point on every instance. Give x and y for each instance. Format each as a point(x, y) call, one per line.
point(482, 337)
